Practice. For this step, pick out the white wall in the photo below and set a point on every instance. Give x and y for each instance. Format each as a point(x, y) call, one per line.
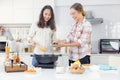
point(108, 10)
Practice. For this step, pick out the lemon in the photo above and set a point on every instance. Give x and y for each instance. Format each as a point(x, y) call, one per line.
point(77, 62)
point(86, 64)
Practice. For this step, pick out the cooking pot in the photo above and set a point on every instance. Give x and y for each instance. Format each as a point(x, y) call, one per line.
point(46, 58)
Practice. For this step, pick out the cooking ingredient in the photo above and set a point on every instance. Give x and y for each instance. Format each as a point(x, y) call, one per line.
point(76, 69)
point(7, 51)
point(43, 49)
point(77, 62)
point(31, 70)
point(75, 66)
point(18, 58)
point(14, 57)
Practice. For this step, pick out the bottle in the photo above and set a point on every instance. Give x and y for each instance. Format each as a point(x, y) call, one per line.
point(7, 51)
point(18, 58)
point(14, 57)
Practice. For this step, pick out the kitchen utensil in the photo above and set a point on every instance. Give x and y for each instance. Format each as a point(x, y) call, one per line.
point(46, 58)
point(12, 63)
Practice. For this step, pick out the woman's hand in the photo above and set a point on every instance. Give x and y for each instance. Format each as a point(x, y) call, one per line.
point(61, 44)
point(32, 43)
point(58, 48)
point(55, 42)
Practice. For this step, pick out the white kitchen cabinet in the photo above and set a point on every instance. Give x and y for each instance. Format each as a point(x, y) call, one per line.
point(36, 14)
point(86, 2)
point(6, 15)
point(23, 15)
point(6, 11)
point(23, 3)
point(6, 3)
point(21, 11)
point(41, 3)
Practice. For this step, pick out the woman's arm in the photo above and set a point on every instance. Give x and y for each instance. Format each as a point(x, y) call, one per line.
point(68, 44)
point(85, 38)
point(32, 32)
point(65, 43)
point(73, 44)
point(53, 36)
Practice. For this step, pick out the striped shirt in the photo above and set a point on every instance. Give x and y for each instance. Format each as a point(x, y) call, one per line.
point(82, 35)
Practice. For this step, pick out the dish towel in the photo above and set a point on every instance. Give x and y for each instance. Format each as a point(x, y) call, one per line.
point(107, 67)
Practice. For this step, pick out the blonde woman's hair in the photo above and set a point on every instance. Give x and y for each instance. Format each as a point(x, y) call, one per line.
point(78, 7)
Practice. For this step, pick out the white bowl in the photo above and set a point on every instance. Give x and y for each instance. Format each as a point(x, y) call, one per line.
point(60, 70)
point(94, 68)
point(38, 69)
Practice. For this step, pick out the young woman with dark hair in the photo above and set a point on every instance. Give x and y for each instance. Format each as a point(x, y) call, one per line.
point(42, 33)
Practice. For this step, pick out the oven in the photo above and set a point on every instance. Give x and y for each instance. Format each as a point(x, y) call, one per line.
point(2, 46)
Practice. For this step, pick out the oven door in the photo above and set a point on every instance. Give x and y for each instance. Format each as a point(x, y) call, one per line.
point(2, 46)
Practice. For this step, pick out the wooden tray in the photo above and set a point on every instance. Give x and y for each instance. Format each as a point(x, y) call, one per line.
point(16, 68)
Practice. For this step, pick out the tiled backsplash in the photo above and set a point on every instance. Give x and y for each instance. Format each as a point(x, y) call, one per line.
point(19, 33)
point(18, 30)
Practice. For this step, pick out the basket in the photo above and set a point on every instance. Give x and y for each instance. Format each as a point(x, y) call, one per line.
point(77, 71)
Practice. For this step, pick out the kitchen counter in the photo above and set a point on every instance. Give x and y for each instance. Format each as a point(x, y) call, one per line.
point(50, 74)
